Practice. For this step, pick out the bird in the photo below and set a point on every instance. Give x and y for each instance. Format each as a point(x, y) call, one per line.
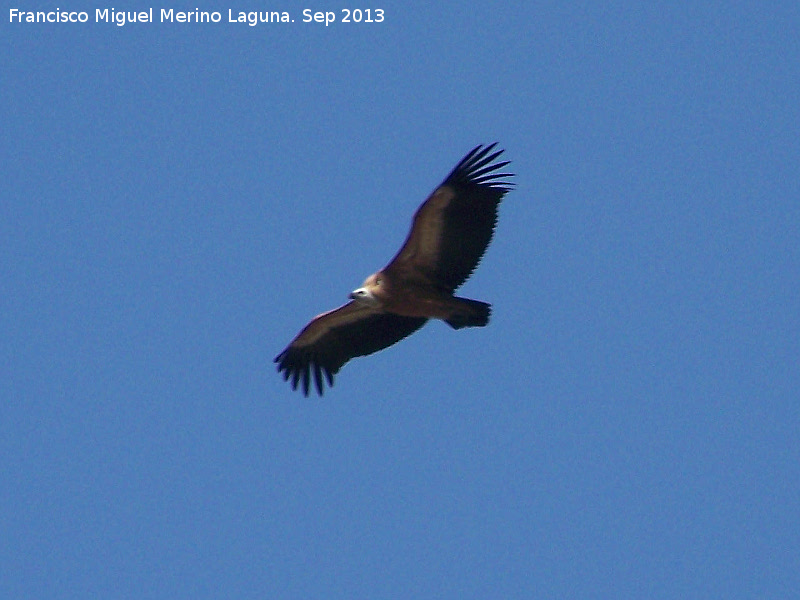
point(449, 235)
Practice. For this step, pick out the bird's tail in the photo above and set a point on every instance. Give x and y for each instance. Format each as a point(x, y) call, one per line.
point(469, 313)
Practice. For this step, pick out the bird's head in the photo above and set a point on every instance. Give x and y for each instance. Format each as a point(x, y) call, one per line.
point(368, 293)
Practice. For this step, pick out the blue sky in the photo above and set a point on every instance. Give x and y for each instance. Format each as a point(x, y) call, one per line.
point(178, 200)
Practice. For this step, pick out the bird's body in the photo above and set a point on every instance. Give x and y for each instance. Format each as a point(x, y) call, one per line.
point(414, 298)
point(450, 232)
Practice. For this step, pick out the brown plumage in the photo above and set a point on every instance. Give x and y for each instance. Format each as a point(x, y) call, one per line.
point(450, 232)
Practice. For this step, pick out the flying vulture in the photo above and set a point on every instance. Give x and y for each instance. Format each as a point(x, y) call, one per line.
point(449, 234)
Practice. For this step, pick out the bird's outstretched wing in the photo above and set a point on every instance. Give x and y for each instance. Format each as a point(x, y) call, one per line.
point(334, 337)
point(453, 227)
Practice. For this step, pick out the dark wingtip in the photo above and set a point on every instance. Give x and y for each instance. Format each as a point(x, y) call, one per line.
point(478, 168)
point(303, 371)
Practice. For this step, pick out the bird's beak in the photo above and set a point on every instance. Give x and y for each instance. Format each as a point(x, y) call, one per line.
point(352, 295)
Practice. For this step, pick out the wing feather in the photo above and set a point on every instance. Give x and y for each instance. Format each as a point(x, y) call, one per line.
point(453, 227)
point(334, 337)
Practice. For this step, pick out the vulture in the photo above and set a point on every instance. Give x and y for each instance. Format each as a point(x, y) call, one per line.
point(449, 234)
